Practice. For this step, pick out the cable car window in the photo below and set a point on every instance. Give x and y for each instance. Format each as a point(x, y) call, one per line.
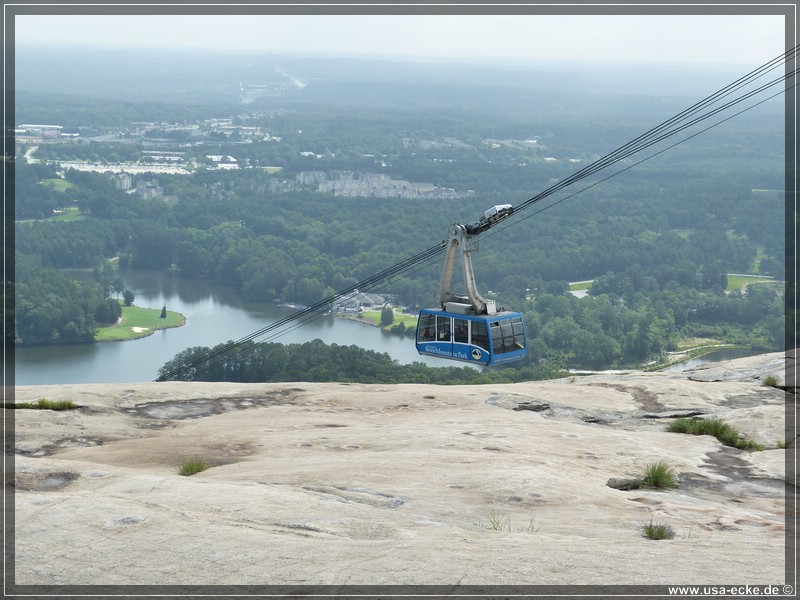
point(443, 328)
point(508, 336)
point(461, 331)
point(497, 338)
point(427, 328)
point(480, 336)
point(519, 332)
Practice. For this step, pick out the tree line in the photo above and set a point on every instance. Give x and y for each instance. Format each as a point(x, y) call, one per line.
point(318, 361)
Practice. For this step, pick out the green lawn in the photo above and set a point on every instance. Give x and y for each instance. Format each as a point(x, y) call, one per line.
point(580, 286)
point(737, 282)
point(138, 322)
point(71, 213)
point(374, 316)
point(57, 184)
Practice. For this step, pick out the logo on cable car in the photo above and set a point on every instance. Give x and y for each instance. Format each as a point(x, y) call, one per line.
point(476, 354)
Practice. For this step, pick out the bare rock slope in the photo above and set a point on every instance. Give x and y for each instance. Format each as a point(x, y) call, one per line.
point(368, 484)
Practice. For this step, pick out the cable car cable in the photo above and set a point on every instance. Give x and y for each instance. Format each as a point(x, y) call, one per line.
point(505, 226)
point(648, 139)
point(643, 143)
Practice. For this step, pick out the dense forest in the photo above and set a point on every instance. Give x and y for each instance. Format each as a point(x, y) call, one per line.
point(658, 240)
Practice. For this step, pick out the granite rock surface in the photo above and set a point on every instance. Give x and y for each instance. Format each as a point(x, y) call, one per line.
point(337, 484)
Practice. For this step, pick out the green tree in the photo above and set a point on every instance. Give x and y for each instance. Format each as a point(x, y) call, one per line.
point(309, 291)
point(713, 276)
point(387, 316)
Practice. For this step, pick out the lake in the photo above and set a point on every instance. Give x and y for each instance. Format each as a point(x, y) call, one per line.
point(214, 314)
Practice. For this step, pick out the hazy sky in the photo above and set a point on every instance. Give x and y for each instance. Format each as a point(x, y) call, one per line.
point(734, 39)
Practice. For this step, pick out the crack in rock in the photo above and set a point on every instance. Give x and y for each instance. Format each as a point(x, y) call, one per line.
point(527, 404)
point(358, 496)
point(674, 415)
point(648, 401)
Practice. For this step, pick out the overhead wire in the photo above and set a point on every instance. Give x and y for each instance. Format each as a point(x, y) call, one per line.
point(505, 226)
point(662, 131)
point(659, 133)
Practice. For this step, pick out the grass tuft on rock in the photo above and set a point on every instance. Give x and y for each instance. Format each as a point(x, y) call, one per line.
point(190, 467)
point(659, 475)
point(657, 531)
point(498, 522)
point(42, 404)
point(718, 428)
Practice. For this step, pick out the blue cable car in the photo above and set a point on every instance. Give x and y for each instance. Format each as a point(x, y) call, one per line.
point(470, 328)
point(481, 339)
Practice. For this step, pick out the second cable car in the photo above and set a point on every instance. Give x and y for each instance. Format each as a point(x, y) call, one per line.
point(470, 328)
